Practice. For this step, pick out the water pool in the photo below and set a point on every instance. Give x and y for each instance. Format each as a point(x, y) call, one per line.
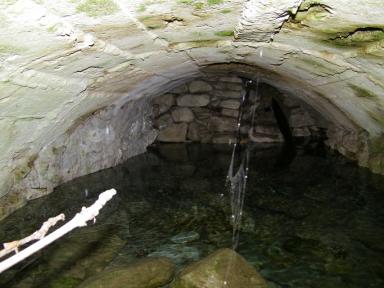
point(311, 219)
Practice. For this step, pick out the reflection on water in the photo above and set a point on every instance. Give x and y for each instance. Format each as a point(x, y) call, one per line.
point(314, 220)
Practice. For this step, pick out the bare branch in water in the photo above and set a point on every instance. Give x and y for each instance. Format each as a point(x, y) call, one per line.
point(80, 220)
point(37, 235)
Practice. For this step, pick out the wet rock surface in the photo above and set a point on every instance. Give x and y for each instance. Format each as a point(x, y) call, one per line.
point(222, 268)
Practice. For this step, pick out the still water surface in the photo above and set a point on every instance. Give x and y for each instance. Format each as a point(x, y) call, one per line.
point(312, 220)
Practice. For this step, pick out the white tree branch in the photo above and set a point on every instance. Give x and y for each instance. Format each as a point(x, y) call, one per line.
point(37, 235)
point(80, 220)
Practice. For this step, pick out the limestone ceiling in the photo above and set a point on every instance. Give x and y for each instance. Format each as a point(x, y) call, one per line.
point(61, 59)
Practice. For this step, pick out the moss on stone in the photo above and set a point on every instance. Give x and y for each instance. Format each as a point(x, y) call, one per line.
point(377, 115)
point(362, 92)
point(7, 49)
point(214, 2)
point(377, 145)
point(315, 13)
point(96, 8)
point(226, 11)
point(313, 16)
point(359, 37)
point(187, 2)
point(52, 29)
point(305, 5)
point(225, 33)
point(198, 5)
point(142, 7)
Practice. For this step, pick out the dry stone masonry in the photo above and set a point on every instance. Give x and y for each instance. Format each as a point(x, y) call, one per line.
point(206, 111)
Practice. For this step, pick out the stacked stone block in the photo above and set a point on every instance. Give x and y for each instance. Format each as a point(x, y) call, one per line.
point(206, 111)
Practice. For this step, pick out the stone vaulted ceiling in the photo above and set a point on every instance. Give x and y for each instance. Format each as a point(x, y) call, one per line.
point(62, 60)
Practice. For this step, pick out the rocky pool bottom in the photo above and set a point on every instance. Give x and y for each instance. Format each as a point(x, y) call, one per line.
point(312, 219)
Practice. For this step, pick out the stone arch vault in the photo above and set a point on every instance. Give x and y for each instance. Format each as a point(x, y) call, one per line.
point(76, 77)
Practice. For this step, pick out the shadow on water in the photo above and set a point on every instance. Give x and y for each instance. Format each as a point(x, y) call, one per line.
point(309, 219)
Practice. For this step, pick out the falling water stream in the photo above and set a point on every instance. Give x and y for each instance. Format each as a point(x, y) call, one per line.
point(237, 174)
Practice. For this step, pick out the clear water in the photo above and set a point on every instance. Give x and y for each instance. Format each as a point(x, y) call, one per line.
point(312, 220)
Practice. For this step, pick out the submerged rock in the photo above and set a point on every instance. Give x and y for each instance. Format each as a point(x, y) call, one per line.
point(146, 273)
point(185, 237)
point(224, 268)
point(178, 253)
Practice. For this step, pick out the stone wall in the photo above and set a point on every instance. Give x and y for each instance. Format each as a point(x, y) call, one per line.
point(101, 140)
point(206, 110)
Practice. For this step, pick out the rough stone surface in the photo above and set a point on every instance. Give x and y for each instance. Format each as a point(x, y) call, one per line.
point(222, 124)
point(163, 103)
point(182, 115)
point(72, 62)
point(228, 86)
point(301, 132)
point(163, 121)
point(105, 139)
point(258, 120)
point(198, 133)
point(262, 19)
point(230, 113)
point(223, 266)
point(173, 133)
point(265, 135)
point(230, 104)
point(148, 273)
point(300, 118)
point(228, 94)
point(199, 87)
point(166, 99)
point(193, 100)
